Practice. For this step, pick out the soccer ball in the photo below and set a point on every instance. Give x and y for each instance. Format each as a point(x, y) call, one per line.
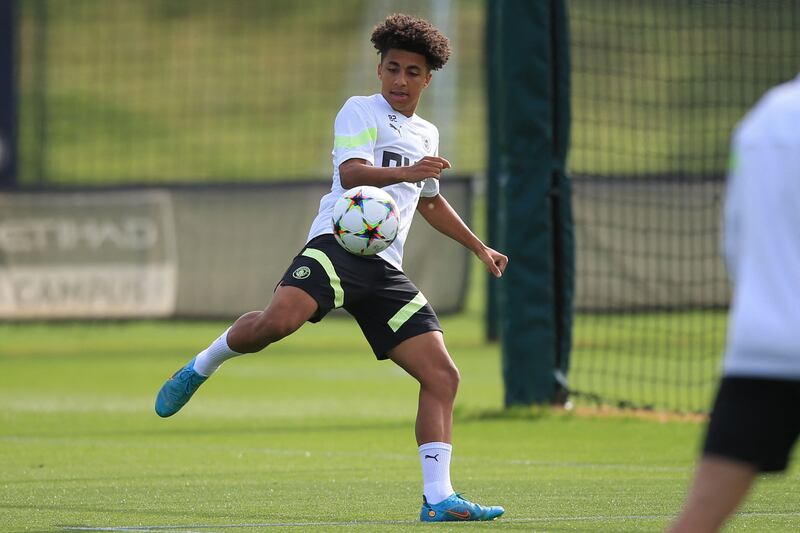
point(365, 220)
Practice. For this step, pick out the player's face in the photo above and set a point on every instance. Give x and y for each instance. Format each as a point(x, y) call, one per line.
point(404, 75)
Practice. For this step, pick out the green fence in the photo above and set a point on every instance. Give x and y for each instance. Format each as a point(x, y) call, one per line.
point(657, 88)
point(153, 91)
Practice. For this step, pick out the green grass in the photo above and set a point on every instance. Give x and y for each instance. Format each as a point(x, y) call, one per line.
point(312, 432)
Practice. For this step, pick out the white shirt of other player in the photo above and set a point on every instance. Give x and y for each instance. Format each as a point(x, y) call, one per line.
point(368, 128)
point(761, 239)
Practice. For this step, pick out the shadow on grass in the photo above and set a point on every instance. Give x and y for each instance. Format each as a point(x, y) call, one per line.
point(517, 412)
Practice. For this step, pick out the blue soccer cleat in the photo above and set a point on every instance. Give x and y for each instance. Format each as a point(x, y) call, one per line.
point(177, 390)
point(457, 509)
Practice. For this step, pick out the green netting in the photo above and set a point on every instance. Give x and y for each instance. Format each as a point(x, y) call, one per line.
point(153, 91)
point(657, 88)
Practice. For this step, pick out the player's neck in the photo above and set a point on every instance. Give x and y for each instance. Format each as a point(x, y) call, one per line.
point(408, 113)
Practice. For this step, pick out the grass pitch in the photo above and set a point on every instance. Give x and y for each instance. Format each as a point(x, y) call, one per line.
point(312, 435)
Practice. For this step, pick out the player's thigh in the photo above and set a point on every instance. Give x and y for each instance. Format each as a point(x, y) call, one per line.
point(426, 358)
point(290, 306)
point(289, 309)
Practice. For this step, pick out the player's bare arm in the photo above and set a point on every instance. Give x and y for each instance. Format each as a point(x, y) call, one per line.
point(440, 214)
point(355, 172)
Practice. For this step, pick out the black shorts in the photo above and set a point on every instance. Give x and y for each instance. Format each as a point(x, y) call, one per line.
point(387, 306)
point(756, 421)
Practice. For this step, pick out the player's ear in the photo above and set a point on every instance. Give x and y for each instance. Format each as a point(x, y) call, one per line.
point(428, 77)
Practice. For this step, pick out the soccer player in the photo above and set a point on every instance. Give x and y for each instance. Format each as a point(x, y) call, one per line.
point(755, 420)
point(378, 141)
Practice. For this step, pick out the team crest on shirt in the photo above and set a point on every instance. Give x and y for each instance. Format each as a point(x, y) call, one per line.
point(426, 143)
point(301, 273)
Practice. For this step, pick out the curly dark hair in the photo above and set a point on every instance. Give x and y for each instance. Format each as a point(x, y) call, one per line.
point(412, 34)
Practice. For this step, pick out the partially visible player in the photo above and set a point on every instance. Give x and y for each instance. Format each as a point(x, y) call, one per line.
point(755, 421)
point(378, 140)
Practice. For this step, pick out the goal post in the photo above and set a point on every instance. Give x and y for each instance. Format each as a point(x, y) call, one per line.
point(529, 191)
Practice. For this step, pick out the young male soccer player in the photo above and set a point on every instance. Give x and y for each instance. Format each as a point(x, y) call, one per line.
point(379, 141)
point(755, 421)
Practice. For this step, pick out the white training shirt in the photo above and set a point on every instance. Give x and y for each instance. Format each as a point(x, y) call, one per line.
point(367, 127)
point(761, 239)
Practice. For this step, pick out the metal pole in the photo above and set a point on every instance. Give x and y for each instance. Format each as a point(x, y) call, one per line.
point(8, 95)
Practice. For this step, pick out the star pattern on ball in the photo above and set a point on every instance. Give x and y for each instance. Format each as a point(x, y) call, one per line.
point(337, 227)
point(371, 232)
point(357, 200)
point(390, 210)
point(365, 220)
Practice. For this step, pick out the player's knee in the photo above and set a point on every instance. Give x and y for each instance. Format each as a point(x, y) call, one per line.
point(445, 381)
point(271, 328)
point(453, 379)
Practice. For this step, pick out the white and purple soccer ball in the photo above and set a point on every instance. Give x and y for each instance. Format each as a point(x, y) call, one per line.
point(365, 220)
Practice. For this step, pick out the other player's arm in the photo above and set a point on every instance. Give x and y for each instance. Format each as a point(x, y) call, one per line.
point(439, 214)
point(355, 172)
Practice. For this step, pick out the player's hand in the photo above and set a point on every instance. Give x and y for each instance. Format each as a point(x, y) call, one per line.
point(495, 261)
point(430, 166)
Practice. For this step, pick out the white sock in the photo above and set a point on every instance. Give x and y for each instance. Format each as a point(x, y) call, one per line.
point(209, 360)
point(435, 458)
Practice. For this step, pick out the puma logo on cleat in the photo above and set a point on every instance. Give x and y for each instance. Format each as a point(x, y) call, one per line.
point(434, 457)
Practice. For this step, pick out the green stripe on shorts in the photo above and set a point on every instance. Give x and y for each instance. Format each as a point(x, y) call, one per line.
point(402, 316)
point(336, 284)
